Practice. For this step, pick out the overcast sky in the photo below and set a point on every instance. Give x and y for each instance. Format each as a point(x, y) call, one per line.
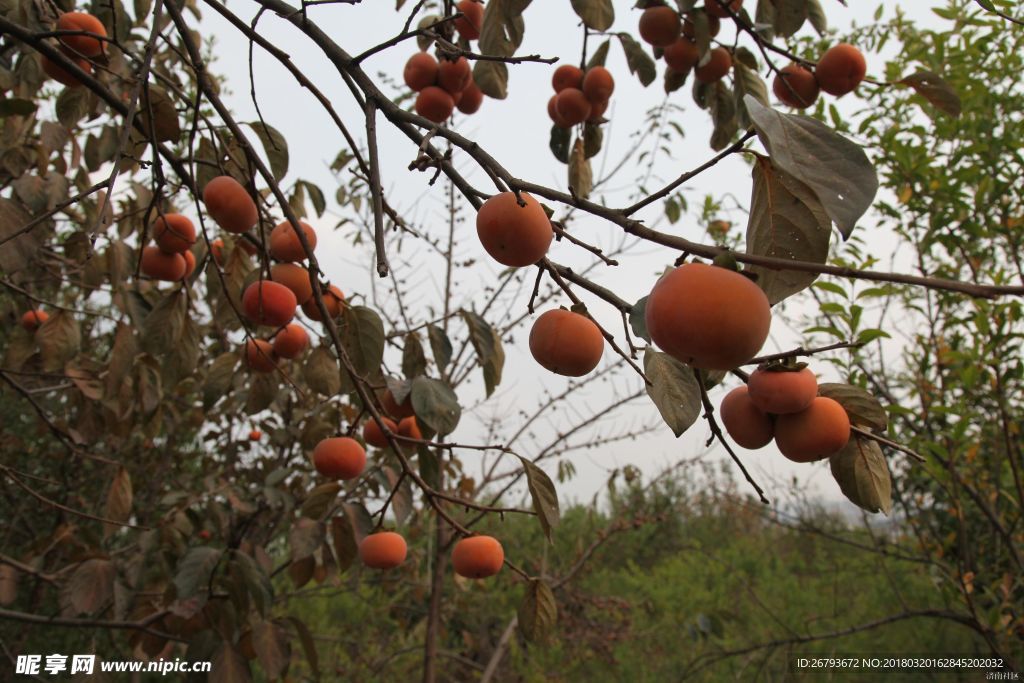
point(515, 131)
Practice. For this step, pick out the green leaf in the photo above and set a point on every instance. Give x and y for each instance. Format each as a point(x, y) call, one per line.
point(319, 500)
point(836, 169)
point(275, 146)
point(638, 319)
point(436, 404)
point(321, 372)
point(502, 29)
point(538, 612)
point(305, 537)
point(156, 106)
point(816, 14)
point(863, 474)
point(162, 329)
point(195, 570)
point(559, 143)
point(219, 377)
point(308, 645)
point(863, 408)
point(637, 59)
point(72, 105)
point(492, 78)
point(593, 138)
point(674, 390)
point(414, 360)
point(600, 55)
point(786, 221)
point(936, 90)
point(598, 15)
point(345, 547)
point(362, 335)
point(790, 15)
point(440, 346)
point(544, 496)
point(487, 345)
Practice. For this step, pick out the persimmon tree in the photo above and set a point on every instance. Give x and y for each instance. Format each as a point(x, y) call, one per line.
point(155, 263)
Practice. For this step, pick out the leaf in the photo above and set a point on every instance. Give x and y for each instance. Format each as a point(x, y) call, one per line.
point(263, 389)
point(436, 404)
point(72, 105)
point(219, 377)
point(362, 335)
point(440, 346)
point(487, 345)
point(305, 537)
point(15, 106)
point(414, 360)
point(816, 14)
point(319, 500)
point(195, 570)
point(321, 372)
point(674, 80)
point(345, 547)
point(786, 221)
point(790, 15)
point(637, 59)
point(156, 105)
point(863, 474)
point(545, 498)
point(863, 408)
point(90, 587)
point(722, 105)
point(275, 146)
point(598, 15)
point(502, 29)
point(255, 580)
point(936, 90)
point(538, 612)
point(18, 253)
point(272, 649)
point(581, 177)
point(119, 501)
point(600, 55)
point(401, 501)
point(308, 645)
point(674, 390)
point(492, 78)
point(747, 82)
point(836, 169)
point(162, 329)
point(638, 319)
point(8, 584)
point(559, 143)
point(593, 138)
point(230, 665)
point(59, 339)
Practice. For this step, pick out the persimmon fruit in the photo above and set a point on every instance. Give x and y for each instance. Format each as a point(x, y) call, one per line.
point(682, 55)
point(420, 71)
point(659, 26)
point(162, 266)
point(795, 86)
point(410, 428)
point(32, 320)
point(472, 98)
point(598, 84)
point(718, 65)
point(749, 426)
point(333, 301)
point(708, 317)
point(453, 77)
point(573, 106)
point(295, 278)
point(255, 435)
point(478, 557)
point(339, 457)
point(841, 69)
point(435, 104)
point(259, 355)
point(567, 76)
point(383, 550)
point(716, 9)
point(566, 343)
point(394, 408)
point(291, 341)
point(373, 435)
point(468, 25)
point(174, 233)
point(190, 263)
point(84, 46)
point(285, 244)
point(556, 118)
point(62, 75)
point(514, 235)
point(782, 392)
point(265, 302)
point(229, 204)
point(816, 432)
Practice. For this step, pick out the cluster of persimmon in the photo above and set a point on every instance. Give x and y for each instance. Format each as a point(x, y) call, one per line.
point(580, 95)
point(839, 71)
point(473, 557)
point(443, 85)
point(780, 401)
point(32, 320)
point(81, 49)
point(662, 27)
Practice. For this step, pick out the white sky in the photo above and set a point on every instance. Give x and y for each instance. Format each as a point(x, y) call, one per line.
point(515, 131)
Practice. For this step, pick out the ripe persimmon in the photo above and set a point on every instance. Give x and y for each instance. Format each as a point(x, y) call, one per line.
point(291, 341)
point(781, 391)
point(435, 104)
point(32, 320)
point(229, 204)
point(394, 408)
point(295, 278)
point(162, 266)
point(190, 263)
point(383, 550)
point(84, 46)
point(285, 244)
point(410, 428)
point(478, 557)
point(333, 301)
point(816, 432)
point(682, 55)
point(708, 317)
point(748, 426)
point(841, 69)
point(453, 77)
point(174, 233)
point(471, 99)
point(795, 86)
point(255, 435)
point(420, 71)
point(598, 84)
point(259, 355)
point(566, 343)
point(62, 75)
point(556, 118)
point(514, 235)
point(573, 106)
point(339, 457)
point(469, 24)
point(567, 76)
point(659, 26)
point(268, 303)
point(597, 111)
point(373, 435)
point(718, 9)
point(718, 65)
point(217, 251)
